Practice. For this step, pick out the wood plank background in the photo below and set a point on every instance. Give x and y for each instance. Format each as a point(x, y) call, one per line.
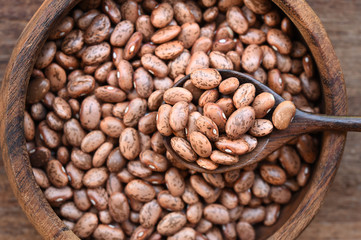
point(339, 217)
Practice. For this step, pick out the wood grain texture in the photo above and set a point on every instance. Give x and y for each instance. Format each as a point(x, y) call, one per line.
point(339, 217)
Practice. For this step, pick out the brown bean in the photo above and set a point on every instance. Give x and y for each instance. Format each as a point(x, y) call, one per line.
point(171, 223)
point(75, 175)
point(121, 33)
point(280, 194)
point(111, 126)
point(216, 214)
point(57, 196)
point(283, 114)
point(223, 158)
point(62, 28)
point(50, 137)
point(206, 126)
point(226, 104)
point(163, 83)
point(73, 42)
point(169, 202)
point(253, 215)
point(290, 160)
point(263, 103)
point(279, 41)
point(178, 116)
point(236, 20)
point(95, 177)
point(273, 174)
point(130, 11)
point(154, 65)
point(81, 200)
point(245, 231)
point(261, 127)
point(183, 149)
point(203, 226)
point(133, 45)
point(109, 94)
point(165, 34)
point(155, 100)
point(81, 159)
point(174, 182)
point(80, 86)
point(245, 181)
point(219, 60)
point(185, 233)
point(38, 111)
point(182, 13)
point(90, 112)
point(253, 36)
point(46, 55)
point(92, 141)
point(163, 125)
point(210, 14)
point(240, 122)
point(201, 186)
point(96, 54)
point(200, 143)
point(169, 50)
point(37, 90)
point(105, 231)
point(29, 127)
point(189, 34)
point(234, 147)
point(57, 174)
point(149, 214)
point(198, 60)
point(143, 82)
point(157, 144)
point(70, 211)
point(134, 111)
point(129, 143)
point(228, 85)
point(74, 132)
point(119, 207)
point(156, 162)
point(98, 30)
point(206, 78)
point(148, 123)
point(307, 148)
point(139, 190)
point(56, 75)
point(144, 26)
point(162, 15)
point(251, 58)
point(41, 178)
point(177, 94)
point(86, 225)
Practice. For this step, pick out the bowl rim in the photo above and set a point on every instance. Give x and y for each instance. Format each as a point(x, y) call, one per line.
point(12, 105)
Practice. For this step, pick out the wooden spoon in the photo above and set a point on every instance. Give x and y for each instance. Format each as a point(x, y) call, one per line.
point(302, 123)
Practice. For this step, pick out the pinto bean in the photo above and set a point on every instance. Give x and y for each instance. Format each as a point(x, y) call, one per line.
point(139, 190)
point(96, 54)
point(162, 15)
point(154, 65)
point(285, 109)
point(189, 34)
point(129, 143)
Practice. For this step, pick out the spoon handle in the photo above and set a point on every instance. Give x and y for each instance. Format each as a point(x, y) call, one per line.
point(306, 122)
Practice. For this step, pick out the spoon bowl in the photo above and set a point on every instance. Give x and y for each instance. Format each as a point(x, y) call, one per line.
point(302, 123)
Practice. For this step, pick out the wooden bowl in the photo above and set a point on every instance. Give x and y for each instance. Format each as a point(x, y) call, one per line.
point(294, 217)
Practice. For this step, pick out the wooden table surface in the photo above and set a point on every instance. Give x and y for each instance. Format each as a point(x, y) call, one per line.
point(340, 215)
